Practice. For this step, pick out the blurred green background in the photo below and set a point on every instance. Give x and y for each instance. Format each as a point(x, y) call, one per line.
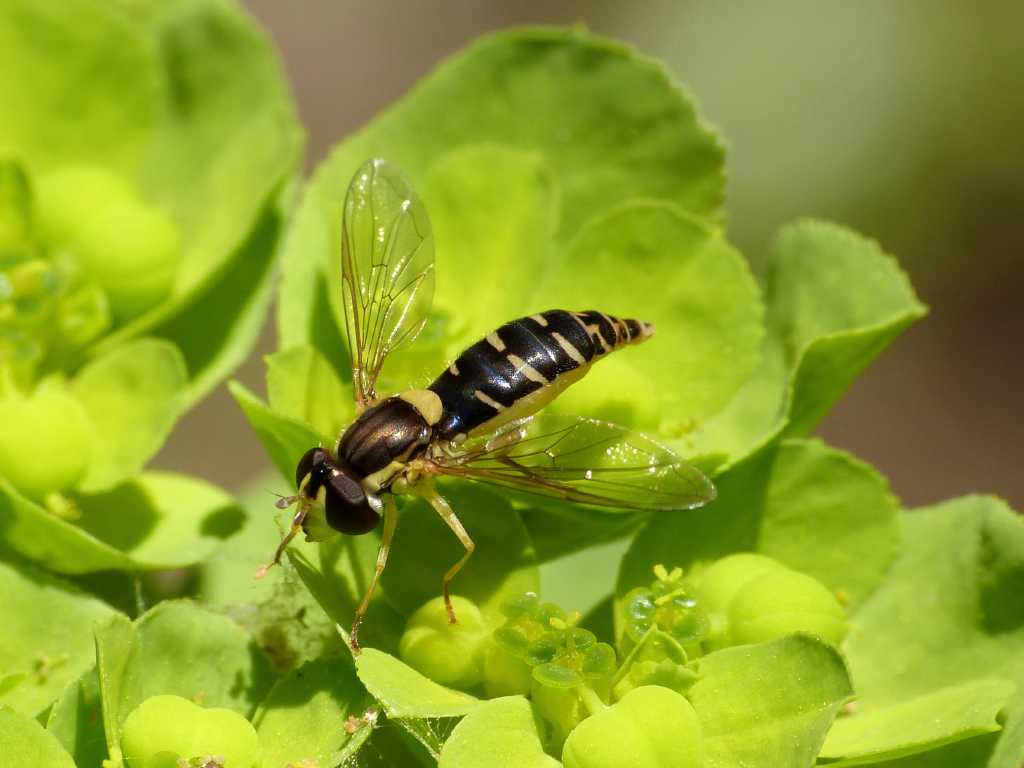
point(901, 120)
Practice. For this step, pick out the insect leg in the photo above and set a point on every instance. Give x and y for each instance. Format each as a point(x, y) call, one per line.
point(390, 523)
point(445, 511)
point(297, 520)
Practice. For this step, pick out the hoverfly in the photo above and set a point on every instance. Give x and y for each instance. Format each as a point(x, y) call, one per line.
point(476, 420)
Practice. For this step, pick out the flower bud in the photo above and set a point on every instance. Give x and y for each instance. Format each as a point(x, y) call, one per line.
point(651, 727)
point(450, 654)
point(132, 250)
point(167, 726)
point(67, 198)
point(779, 603)
point(46, 442)
point(717, 584)
point(505, 674)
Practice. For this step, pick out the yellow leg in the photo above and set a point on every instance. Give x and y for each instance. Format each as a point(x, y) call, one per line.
point(390, 523)
point(445, 511)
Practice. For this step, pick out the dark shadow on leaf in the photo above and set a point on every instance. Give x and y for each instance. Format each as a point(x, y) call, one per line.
point(122, 517)
point(222, 523)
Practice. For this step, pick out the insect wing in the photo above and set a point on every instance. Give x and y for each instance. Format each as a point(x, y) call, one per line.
point(387, 269)
point(588, 461)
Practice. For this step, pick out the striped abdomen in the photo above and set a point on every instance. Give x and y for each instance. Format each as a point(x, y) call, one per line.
point(519, 368)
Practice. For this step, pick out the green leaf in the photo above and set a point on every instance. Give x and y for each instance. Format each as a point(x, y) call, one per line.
point(405, 693)
point(47, 636)
point(188, 100)
point(133, 396)
point(180, 649)
point(103, 75)
point(27, 745)
point(157, 520)
point(919, 724)
point(792, 503)
point(502, 567)
point(500, 732)
point(770, 704)
point(76, 720)
point(969, 753)
point(304, 715)
point(834, 301)
point(529, 101)
point(302, 385)
point(161, 519)
point(284, 439)
point(956, 589)
point(653, 261)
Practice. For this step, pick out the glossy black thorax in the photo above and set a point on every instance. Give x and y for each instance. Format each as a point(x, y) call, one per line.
point(391, 430)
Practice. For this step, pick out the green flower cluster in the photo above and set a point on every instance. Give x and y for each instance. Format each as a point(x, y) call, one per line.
point(599, 711)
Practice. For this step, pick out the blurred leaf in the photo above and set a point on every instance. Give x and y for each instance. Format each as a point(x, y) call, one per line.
point(302, 385)
point(502, 567)
point(217, 326)
point(47, 636)
point(405, 693)
point(500, 732)
point(27, 745)
point(157, 520)
point(284, 439)
point(161, 519)
point(524, 100)
point(304, 715)
point(834, 301)
point(655, 262)
point(814, 508)
point(76, 720)
point(919, 724)
point(133, 395)
point(180, 649)
point(956, 589)
point(976, 752)
point(770, 704)
point(87, 60)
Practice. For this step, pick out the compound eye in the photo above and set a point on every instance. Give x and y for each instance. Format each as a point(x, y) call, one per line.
point(305, 465)
point(347, 507)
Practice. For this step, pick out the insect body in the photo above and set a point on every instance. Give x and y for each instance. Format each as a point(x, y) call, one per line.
point(475, 421)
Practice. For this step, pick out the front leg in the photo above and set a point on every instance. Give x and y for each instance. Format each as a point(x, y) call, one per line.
point(428, 492)
point(390, 524)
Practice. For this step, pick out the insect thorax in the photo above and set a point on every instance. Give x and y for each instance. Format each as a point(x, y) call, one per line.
point(392, 431)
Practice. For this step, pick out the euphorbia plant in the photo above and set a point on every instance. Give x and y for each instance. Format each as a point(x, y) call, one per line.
point(801, 618)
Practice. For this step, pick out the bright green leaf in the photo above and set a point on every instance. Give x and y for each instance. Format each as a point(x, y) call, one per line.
point(792, 503)
point(157, 520)
point(133, 396)
point(47, 636)
point(304, 715)
point(653, 261)
point(302, 385)
point(919, 724)
point(768, 705)
point(956, 589)
point(834, 301)
point(76, 720)
point(27, 745)
point(161, 519)
point(405, 693)
point(180, 649)
point(500, 733)
point(550, 98)
point(284, 439)
point(102, 74)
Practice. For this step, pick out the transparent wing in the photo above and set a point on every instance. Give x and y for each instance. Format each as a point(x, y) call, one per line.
point(387, 269)
point(583, 460)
